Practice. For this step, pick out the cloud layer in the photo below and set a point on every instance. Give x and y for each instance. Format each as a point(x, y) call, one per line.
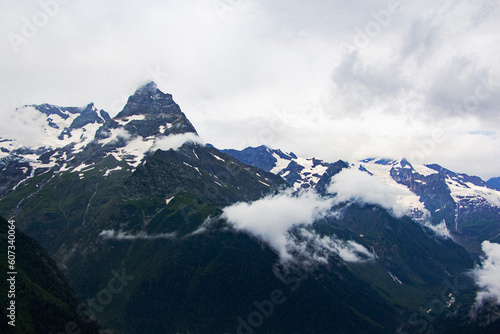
point(420, 79)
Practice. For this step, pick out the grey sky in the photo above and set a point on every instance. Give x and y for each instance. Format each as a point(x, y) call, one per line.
point(332, 79)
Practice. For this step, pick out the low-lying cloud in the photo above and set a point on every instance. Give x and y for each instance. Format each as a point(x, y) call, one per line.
point(120, 235)
point(120, 134)
point(273, 219)
point(270, 218)
point(312, 246)
point(25, 125)
point(176, 141)
point(487, 275)
point(360, 187)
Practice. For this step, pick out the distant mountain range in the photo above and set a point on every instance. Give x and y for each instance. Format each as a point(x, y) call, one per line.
point(440, 199)
point(252, 241)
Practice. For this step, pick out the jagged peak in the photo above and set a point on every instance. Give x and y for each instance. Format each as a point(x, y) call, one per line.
point(149, 87)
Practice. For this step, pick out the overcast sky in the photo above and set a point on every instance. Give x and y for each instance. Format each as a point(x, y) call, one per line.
point(326, 78)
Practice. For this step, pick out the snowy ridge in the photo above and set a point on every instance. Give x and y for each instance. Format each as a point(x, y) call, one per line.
point(301, 173)
point(410, 184)
point(471, 192)
point(410, 201)
point(58, 135)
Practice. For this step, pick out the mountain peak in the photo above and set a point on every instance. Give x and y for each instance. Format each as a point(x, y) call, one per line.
point(149, 87)
point(157, 113)
point(148, 99)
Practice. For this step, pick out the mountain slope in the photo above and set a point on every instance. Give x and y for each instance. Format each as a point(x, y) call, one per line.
point(44, 301)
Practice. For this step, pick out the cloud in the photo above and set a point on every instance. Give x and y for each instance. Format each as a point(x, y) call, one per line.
point(175, 141)
point(120, 235)
point(259, 56)
point(26, 125)
point(282, 222)
point(309, 246)
point(271, 217)
point(362, 188)
point(487, 275)
point(120, 133)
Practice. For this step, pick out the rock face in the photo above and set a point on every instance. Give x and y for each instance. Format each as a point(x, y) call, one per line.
point(298, 172)
point(326, 178)
point(157, 114)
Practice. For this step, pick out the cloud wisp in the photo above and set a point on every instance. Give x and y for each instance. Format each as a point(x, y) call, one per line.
point(176, 141)
point(120, 235)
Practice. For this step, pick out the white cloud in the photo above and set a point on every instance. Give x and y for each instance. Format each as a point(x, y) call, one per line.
point(362, 188)
point(311, 247)
point(487, 275)
point(120, 235)
point(175, 141)
point(25, 125)
point(271, 217)
point(273, 220)
point(120, 133)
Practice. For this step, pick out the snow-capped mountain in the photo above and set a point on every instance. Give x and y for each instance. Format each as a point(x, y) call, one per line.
point(300, 173)
point(74, 138)
point(447, 199)
point(441, 199)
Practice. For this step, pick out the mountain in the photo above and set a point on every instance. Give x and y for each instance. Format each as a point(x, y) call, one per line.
point(158, 233)
point(298, 172)
point(445, 201)
point(44, 302)
point(494, 182)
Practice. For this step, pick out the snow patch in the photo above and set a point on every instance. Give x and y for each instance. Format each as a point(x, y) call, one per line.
point(217, 157)
point(168, 200)
point(83, 168)
point(112, 170)
point(468, 190)
point(424, 170)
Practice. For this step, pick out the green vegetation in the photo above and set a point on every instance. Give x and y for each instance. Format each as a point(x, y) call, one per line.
point(44, 301)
